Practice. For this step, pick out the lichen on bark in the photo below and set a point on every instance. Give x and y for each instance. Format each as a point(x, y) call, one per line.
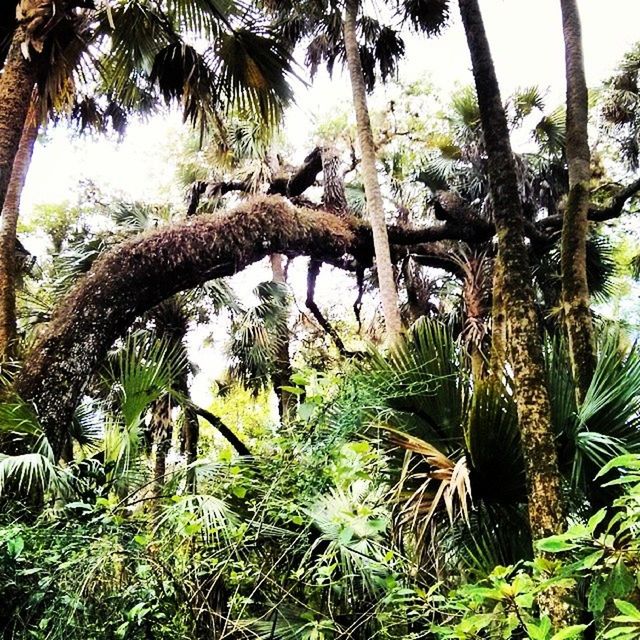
point(138, 274)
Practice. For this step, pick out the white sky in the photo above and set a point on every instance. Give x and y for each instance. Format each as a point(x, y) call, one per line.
point(527, 46)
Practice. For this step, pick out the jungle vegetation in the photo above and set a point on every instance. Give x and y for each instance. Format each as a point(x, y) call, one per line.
point(452, 452)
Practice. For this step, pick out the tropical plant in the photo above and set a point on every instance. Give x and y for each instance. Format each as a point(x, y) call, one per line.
point(130, 56)
point(461, 492)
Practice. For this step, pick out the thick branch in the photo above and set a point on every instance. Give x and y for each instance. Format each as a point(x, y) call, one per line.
point(222, 428)
point(473, 231)
point(291, 186)
point(598, 214)
point(138, 274)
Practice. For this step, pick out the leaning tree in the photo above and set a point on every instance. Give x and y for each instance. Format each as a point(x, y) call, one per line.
point(98, 63)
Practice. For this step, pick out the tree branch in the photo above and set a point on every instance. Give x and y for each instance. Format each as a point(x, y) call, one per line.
point(222, 428)
point(138, 274)
point(312, 275)
point(598, 214)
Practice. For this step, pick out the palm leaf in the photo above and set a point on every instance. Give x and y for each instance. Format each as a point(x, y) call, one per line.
point(252, 72)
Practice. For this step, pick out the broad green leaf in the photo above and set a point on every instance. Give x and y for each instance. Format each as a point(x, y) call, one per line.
point(574, 631)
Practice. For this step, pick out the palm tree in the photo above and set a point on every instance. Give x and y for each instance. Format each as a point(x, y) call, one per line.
point(375, 206)
point(142, 57)
point(459, 458)
point(334, 37)
point(16, 87)
point(575, 226)
point(545, 499)
point(8, 228)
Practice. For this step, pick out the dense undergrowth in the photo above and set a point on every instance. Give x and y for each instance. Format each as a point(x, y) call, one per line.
point(393, 506)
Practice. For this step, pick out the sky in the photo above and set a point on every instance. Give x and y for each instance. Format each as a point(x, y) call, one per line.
point(526, 41)
point(527, 46)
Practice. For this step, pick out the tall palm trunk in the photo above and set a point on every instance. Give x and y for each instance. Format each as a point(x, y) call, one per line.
point(545, 502)
point(575, 291)
point(388, 292)
point(8, 234)
point(16, 85)
point(546, 513)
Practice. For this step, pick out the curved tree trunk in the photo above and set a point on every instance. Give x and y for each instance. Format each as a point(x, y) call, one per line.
point(16, 85)
point(546, 513)
point(138, 274)
point(375, 206)
point(575, 290)
point(8, 235)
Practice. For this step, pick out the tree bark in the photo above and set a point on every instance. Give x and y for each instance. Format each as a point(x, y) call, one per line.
point(545, 502)
point(575, 227)
point(138, 274)
point(499, 338)
point(16, 86)
point(8, 235)
point(545, 499)
point(162, 431)
point(282, 374)
point(375, 205)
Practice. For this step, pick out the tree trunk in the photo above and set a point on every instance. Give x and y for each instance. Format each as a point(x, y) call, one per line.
point(8, 235)
point(190, 441)
point(545, 503)
point(138, 274)
point(546, 513)
point(498, 320)
point(282, 375)
point(575, 290)
point(16, 86)
point(162, 431)
point(375, 206)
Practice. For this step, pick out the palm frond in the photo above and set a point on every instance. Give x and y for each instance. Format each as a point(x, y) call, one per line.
point(422, 385)
point(31, 473)
point(493, 443)
point(430, 482)
point(352, 523)
point(258, 334)
point(427, 16)
point(205, 516)
point(525, 101)
point(181, 73)
point(141, 371)
point(252, 72)
point(549, 133)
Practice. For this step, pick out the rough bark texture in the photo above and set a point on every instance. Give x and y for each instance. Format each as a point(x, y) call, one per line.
point(281, 376)
point(8, 235)
point(138, 274)
point(575, 290)
point(375, 206)
point(458, 223)
point(16, 85)
point(162, 433)
point(546, 514)
point(499, 338)
point(545, 499)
